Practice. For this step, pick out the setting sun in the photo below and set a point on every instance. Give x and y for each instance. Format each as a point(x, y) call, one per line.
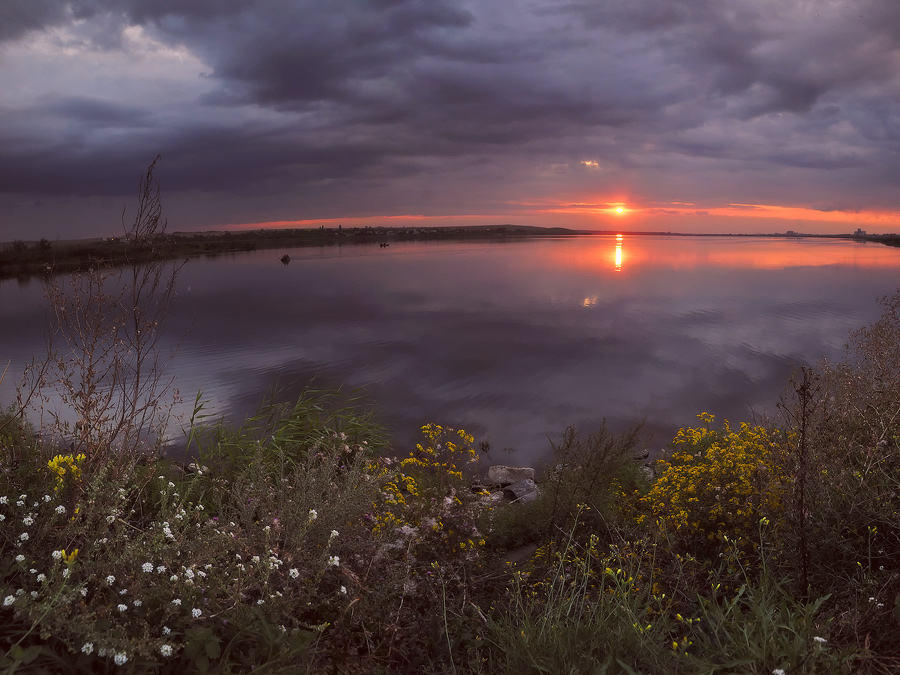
point(619, 209)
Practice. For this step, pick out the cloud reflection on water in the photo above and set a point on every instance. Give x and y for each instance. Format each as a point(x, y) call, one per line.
point(516, 341)
point(500, 339)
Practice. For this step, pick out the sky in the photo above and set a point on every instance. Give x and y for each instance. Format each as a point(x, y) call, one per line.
point(655, 115)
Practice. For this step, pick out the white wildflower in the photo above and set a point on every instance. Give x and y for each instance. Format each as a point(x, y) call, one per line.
point(87, 647)
point(196, 613)
point(121, 608)
point(147, 567)
point(344, 590)
point(334, 560)
point(60, 509)
point(176, 601)
point(110, 580)
point(137, 603)
point(165, 650)
point(20, 558)
point(56, 555)
point(294, 572)
point(313, 514)
point(820, 640)
point(121, 658)
point(8, 600)
point(166, 630)
point(24, 536)
point(334, 533)
point(41, 577)
point(160, 569)
point(28, 520)
point(46, 498)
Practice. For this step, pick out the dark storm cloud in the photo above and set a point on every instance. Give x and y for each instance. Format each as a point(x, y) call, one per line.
point(289, 96)
point(17, 18)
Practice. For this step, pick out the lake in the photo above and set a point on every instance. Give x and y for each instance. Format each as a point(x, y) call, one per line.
point(513, 341)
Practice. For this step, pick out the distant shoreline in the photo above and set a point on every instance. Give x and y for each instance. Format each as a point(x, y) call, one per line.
point(24, 259)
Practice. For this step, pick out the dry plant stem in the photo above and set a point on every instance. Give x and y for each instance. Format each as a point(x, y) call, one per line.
point(103, 356)
point(807, 391)
point(28, 387)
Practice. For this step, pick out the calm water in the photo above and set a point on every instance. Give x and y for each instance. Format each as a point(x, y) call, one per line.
point(513, 341)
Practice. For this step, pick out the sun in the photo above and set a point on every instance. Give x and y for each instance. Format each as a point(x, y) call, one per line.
point(620, 209)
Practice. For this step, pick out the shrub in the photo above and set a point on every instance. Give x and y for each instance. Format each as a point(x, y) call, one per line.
point(718, 485)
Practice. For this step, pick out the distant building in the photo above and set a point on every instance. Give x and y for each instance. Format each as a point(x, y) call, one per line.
point(859, 233)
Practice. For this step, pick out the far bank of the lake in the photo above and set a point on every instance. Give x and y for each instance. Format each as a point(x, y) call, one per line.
point(23, 259)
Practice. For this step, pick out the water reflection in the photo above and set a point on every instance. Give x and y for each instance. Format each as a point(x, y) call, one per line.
point(512, 341)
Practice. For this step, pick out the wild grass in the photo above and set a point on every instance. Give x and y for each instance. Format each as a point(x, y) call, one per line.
point(302, 548)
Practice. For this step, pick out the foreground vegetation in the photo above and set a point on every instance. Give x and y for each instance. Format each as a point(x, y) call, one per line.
point(294, 544)
point(297, 543)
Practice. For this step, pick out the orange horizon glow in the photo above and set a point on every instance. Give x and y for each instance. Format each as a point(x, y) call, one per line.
point(353, 221)
point(734, 210)
point(584, 214)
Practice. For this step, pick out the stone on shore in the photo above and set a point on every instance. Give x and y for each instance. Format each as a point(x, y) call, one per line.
point(507, 475)
point(523, 491)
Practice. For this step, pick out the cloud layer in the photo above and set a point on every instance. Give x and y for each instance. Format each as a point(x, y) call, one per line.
point(292, 109)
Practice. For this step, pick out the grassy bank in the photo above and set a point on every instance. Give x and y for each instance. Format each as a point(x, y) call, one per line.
point(293, 544)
